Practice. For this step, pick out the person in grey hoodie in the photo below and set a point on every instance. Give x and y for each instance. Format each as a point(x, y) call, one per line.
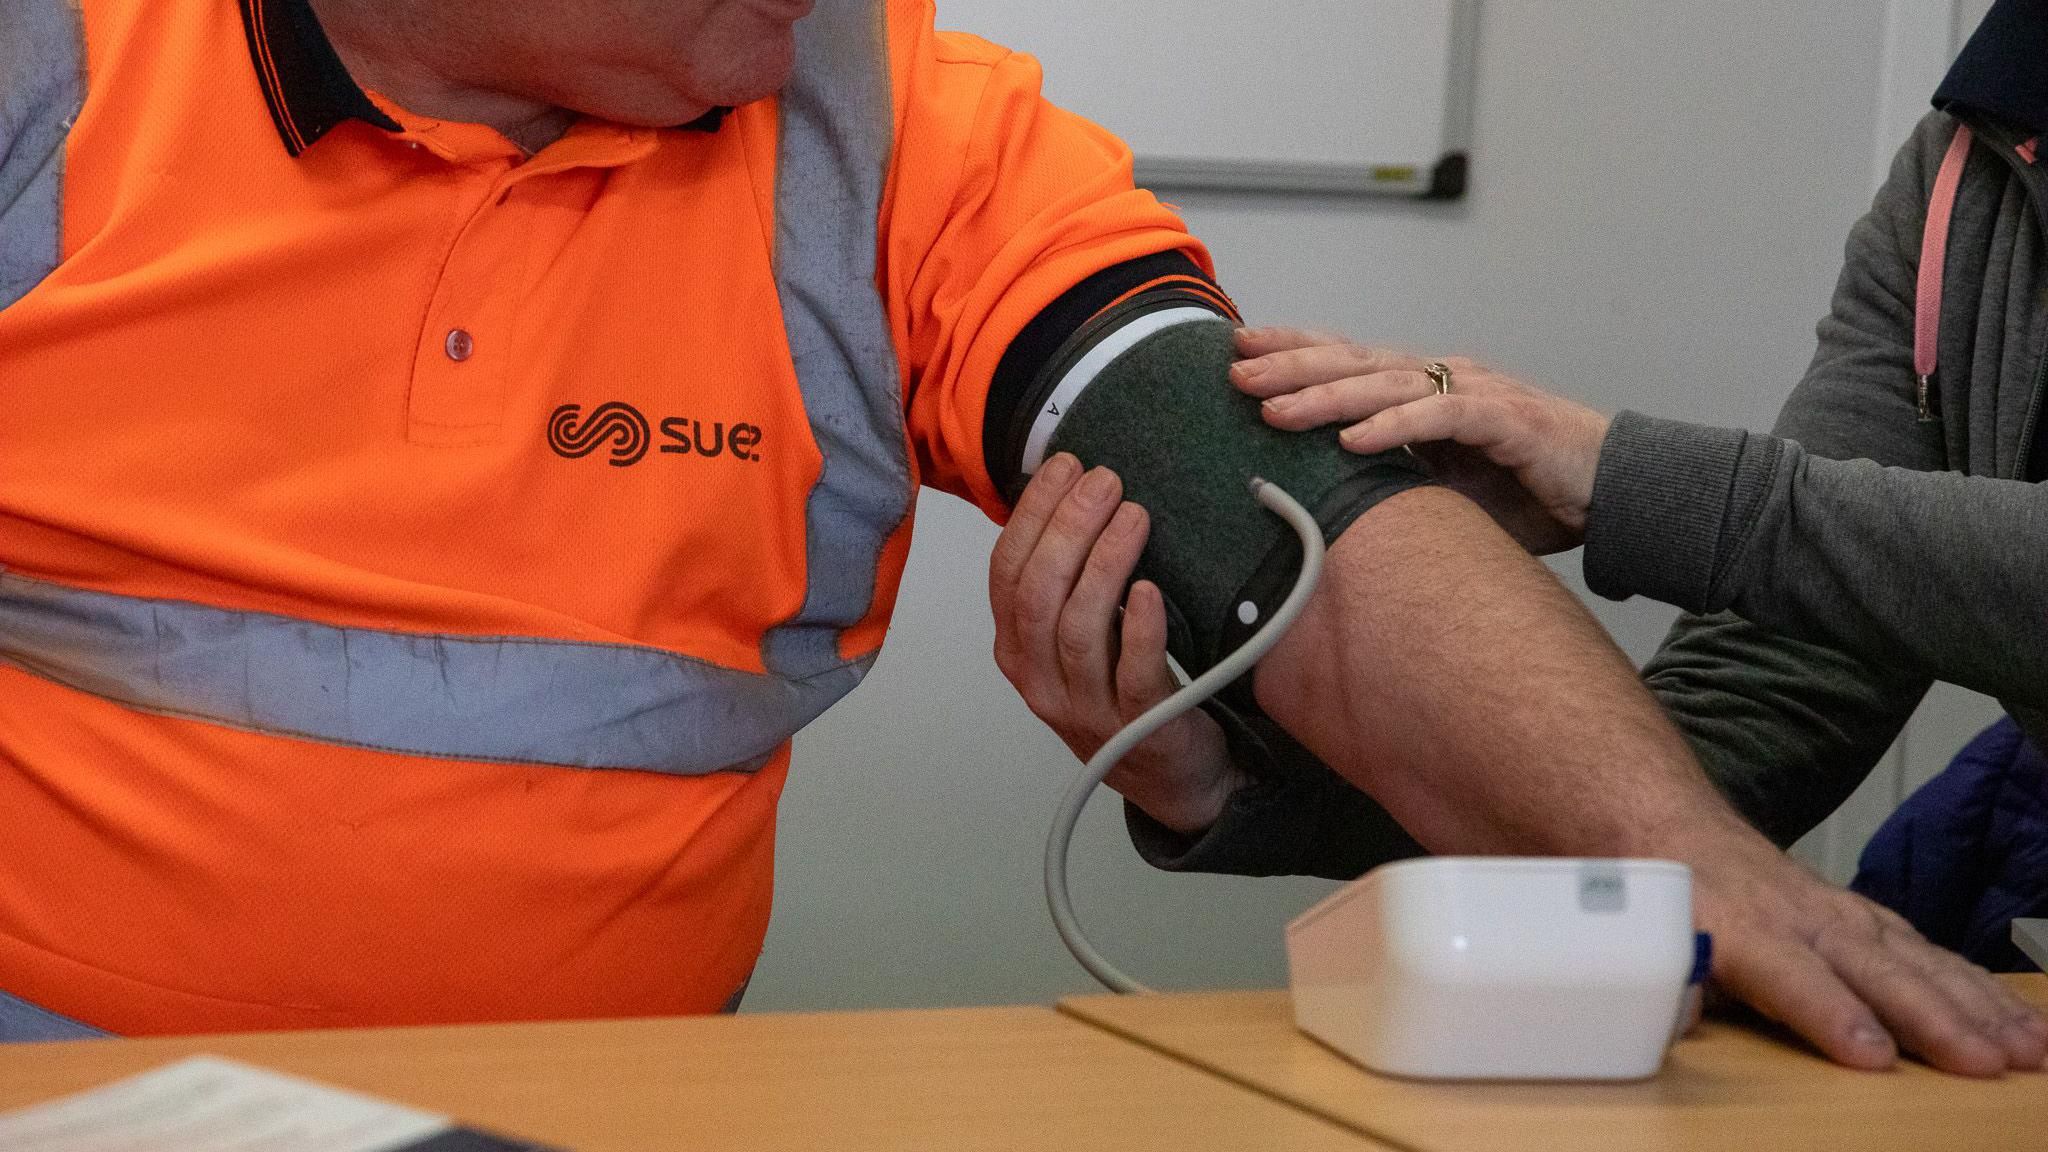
point(1891, 532)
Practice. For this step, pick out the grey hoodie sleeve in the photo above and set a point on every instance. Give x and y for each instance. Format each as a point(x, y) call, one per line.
point(1832, 542)
point(1920, 570)
point(1839, 530)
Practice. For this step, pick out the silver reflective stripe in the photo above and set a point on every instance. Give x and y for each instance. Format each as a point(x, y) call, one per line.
point(22, 1022)
point(838, 122)
point(42, 85)
point(510, 699)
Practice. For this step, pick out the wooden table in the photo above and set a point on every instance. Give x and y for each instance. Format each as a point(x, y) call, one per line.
point(999, 1078)
point(1725, 1087)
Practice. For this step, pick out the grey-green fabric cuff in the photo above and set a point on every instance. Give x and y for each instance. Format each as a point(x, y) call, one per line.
point(1295, 818)
point(1672, 502)
point(1166, 418)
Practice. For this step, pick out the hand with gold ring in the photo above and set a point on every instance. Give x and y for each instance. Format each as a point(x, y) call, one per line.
point(1526, 456)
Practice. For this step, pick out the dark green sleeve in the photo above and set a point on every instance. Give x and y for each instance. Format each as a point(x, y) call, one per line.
point(1297, 817)
point(1785, 729)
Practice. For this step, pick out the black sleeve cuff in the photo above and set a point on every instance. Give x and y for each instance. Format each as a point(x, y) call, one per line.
point(1030, 367)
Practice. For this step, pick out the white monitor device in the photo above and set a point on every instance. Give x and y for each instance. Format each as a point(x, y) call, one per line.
point(1500, 969)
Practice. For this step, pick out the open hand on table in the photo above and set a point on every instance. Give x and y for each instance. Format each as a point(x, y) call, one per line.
point(1850, 976)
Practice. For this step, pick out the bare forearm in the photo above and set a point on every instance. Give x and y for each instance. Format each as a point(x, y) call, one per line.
point(1449, 675)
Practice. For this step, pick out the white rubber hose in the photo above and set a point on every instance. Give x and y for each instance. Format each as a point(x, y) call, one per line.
point(1061, 839)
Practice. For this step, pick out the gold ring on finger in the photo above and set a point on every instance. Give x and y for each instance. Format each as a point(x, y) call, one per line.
point(1440, 374)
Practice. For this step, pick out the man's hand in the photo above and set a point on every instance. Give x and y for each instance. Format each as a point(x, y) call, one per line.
point(1055, 580)
point(1525, 456)
point(1851, 977)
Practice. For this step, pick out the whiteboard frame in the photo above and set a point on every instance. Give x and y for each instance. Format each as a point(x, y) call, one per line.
point(1446, 178)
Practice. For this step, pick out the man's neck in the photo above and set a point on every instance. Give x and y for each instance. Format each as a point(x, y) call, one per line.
point(375, 41)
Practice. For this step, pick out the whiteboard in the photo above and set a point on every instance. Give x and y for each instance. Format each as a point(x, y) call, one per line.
point(1361, 96)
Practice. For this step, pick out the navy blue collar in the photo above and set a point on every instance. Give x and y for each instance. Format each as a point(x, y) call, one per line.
point(2003, 70)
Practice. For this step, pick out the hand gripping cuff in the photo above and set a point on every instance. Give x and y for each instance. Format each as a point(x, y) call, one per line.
point(1165, 417)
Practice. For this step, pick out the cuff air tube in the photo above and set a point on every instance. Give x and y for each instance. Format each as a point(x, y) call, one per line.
point(1160, 411)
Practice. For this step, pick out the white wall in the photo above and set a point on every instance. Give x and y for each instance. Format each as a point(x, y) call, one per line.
point(1969, 14)
point(1661, 194)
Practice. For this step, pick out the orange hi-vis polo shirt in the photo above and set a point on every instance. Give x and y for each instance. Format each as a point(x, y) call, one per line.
point(415, 556)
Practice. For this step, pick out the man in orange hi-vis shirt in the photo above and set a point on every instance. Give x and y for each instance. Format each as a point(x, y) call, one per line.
point(451, 446)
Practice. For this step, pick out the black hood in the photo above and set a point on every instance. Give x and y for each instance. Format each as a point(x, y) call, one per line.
point(2003, 70)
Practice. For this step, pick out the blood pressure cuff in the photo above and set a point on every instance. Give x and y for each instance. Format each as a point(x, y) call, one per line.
point(1143, 387)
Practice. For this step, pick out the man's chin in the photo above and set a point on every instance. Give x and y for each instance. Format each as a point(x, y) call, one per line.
point(672, 112)
point(663, 103)
point(761, 78)
point(666, 116)
point(669, 115)
point(785, 10)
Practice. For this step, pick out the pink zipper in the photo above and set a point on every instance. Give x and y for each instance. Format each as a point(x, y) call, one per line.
point(1941, 211)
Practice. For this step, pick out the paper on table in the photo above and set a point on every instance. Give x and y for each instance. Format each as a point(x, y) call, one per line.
point(210, 1105)
point(2031, 937)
